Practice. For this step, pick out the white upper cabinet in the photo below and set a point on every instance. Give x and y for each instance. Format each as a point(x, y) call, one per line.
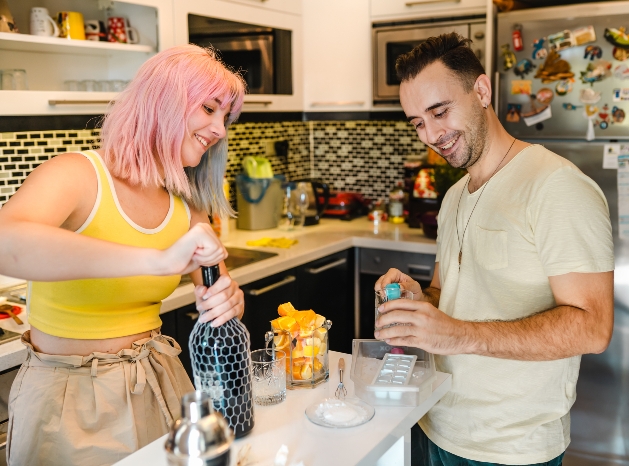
point(285, 6)
point(395, 9)
point(260, 14)
point(65, 76)
point(337, 55)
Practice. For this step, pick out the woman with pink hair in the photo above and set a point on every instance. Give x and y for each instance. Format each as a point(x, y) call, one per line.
point(103, 237)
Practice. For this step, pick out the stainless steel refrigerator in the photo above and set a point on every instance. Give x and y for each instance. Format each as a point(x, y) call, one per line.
point(600, 416)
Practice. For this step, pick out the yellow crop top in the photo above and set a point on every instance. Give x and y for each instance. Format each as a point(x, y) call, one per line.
point(109, 307)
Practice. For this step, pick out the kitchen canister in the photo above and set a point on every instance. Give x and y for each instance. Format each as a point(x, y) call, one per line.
point(201, 437)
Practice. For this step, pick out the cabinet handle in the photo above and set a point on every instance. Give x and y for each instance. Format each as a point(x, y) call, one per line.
point(258, 102)
point(193, 315)
point(3, 439)
point(423, 2)
point(339, 103)
point(325, 267)
point(266, 289)
point(78, 102)
point(422, 272)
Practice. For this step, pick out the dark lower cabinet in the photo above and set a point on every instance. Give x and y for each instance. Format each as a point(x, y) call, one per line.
point(262, 298)
point(326, 286)
point(178, 324)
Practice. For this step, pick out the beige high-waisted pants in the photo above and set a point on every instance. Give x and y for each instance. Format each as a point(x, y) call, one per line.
point(97, 409)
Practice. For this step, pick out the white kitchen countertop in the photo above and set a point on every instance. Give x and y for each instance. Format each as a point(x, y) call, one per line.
point(314, 242)
point(286, 424)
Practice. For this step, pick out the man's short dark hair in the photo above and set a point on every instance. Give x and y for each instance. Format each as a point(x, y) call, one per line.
point(451, 49)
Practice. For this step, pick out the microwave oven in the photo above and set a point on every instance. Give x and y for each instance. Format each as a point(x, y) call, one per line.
point(390, 40)
point(261, 54)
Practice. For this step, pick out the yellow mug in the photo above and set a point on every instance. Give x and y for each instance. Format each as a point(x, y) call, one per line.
point(71, 25)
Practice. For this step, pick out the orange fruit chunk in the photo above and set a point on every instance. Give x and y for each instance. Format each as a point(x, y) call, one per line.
point(281, 341)
point(306, 372)
point(317, 365)
point(305, 319)
point(286, 309)
point(310, 351)
point(319, 320)
point(285, 323)
point(297, 373)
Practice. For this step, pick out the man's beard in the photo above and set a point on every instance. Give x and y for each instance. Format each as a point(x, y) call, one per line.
point(473, 140)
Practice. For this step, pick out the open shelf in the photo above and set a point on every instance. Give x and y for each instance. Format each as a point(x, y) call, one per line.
point(29, 43)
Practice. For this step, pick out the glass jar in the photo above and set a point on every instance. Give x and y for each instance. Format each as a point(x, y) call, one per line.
point(307, 363)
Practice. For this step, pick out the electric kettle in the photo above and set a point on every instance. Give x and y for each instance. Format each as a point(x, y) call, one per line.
point(315, 207)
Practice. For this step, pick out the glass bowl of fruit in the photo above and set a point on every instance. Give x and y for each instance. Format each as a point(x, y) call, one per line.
point(304, 337)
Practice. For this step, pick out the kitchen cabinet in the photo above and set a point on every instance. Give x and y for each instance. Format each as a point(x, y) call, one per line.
point(252, 12)
point(337, 55)
point(50, 61)
point(285, 6)
point(262, 298)
point(376, 262)
point(327, 286)
point(402, 9)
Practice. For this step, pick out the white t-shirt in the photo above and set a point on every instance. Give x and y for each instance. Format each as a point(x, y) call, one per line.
point(539, 216)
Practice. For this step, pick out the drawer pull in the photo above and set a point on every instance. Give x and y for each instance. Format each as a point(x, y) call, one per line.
point(52, 103)
point(339, 103)
point(193, 315)
point(325, 267)
point(266, 289)
point(423, 2)
point(422, 272)
point(257, 102)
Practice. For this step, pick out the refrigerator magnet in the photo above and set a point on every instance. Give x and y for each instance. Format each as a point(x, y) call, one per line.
point(617, 37)
point(589, 113)
point(596, 72)
point(620, 54)
point(523, 67)
point(508, 57)
point(604, 118)
point(516, 35)
point(561, 40)
point(620, 95)
point(589, 96)
point(539, 51)
point(564, 86)
point(513, 113)
point(569, 106)
point(520, 86)
point(593, 52)
point(584, 35)
point(621, 71)
point(543, 115)
point(618, 115)
point(544, 95)
point(554, 68)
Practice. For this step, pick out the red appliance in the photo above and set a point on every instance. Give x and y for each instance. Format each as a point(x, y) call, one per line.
point(345, 205)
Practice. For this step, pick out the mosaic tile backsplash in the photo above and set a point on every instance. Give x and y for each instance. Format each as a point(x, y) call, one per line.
point(363, 156)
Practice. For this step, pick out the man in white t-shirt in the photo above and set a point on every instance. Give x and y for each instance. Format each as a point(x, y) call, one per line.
point(523, 282)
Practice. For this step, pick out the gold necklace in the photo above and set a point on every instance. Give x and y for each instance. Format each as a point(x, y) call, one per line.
point(460, 239)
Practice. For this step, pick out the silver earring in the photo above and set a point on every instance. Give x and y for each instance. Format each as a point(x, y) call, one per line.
point(485, 106)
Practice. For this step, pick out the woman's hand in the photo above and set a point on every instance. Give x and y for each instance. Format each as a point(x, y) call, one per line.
point(221, 302)
point(406, 282)
point(199, 246)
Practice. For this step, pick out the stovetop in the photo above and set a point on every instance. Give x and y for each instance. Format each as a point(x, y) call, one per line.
point(7, 336)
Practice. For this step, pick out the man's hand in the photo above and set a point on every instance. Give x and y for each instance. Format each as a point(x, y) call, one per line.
point(422, 326)
point(406, 282)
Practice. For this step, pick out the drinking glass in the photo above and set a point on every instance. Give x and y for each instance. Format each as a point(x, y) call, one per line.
point(14, 80)
point(384, 295)
point(269, 376)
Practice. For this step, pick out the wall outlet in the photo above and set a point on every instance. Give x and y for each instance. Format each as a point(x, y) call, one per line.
point(269, 147)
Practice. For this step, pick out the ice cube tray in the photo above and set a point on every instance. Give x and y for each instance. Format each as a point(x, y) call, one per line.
point(396, 369)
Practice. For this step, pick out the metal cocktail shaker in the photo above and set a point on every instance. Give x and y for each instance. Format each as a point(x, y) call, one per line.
point(201, 437)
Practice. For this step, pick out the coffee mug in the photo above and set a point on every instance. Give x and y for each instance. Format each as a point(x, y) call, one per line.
point(7, 24)
point(42, 24)
point(118, 30)
point(95, 30)
point(71, 25)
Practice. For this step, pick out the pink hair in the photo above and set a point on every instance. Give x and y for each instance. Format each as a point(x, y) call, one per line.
point(144, 129)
